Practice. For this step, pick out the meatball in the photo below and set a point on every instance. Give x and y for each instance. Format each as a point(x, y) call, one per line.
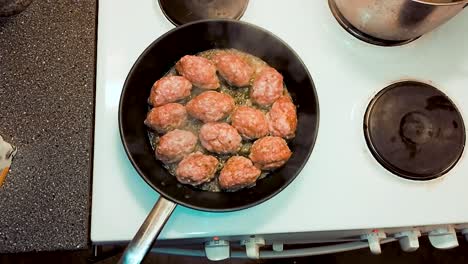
point(200, 71)
point(210, 106)
point(233, 68)
point(167, 117)
point(175, 145)
point(169, 89)
point(282, 118)
point(238, 172)
point(220, 138)
point(250, 122)
point(196, 168)
point(269, 153)
point(267, 87)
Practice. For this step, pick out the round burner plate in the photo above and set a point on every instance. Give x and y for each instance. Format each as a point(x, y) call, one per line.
point(414, 130)
point(185, 11)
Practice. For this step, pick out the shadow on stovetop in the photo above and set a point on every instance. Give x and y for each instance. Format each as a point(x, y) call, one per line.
point(391, 253)
point(438, 54)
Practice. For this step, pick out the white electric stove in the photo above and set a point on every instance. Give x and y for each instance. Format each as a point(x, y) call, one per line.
point(343, 193)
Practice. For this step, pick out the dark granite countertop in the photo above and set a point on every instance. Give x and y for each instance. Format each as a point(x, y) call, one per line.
point(47, 64)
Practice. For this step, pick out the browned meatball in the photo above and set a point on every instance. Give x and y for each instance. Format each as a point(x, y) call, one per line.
point(167, 117)
point(238, 172)
point(169, 89)
point(282, 118)
point(233, 68)
point(175, 145)
point(200, 71)
point(196, 168)
point(269, 153)
point(210, 106)
point(220, 138)
point(250, 122)
point(267, 87)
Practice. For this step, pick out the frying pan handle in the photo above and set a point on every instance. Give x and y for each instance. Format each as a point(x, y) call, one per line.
point(149, 230)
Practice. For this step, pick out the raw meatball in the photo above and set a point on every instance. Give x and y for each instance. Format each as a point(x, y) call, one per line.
point(238, 172)
point(196, 168)
point(200, 71)
point(220, 138)
point(169, 89)
point(210, 106)
point(269, 153)
point(267, 87)
point(233, 68)
point(250, 122)
point(282, 118)
point(175, 145)
point(167, 117)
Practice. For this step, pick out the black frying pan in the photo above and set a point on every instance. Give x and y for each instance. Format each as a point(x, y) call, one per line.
point(155, 61)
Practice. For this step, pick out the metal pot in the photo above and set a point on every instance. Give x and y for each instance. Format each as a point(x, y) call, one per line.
point(398, 20)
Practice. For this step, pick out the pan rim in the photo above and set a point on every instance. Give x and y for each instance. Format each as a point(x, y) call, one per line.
point(208, 209)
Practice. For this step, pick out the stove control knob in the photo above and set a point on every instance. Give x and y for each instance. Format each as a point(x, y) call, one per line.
point(374, 241)
point(216, 249)
point(252, 247)
point(408, 240)
point(278, 247)
point(443, 238)
point(465, 233)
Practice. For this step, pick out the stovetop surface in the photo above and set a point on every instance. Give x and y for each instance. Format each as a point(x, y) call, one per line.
point(342, 187)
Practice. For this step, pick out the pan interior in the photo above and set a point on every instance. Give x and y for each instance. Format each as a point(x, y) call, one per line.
point(161, 55)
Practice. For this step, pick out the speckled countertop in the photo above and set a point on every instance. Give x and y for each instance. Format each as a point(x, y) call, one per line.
point(47, 58)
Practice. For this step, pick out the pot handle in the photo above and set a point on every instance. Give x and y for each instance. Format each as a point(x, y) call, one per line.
point(148, 232)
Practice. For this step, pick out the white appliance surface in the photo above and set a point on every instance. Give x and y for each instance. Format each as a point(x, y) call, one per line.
point(342, 187)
